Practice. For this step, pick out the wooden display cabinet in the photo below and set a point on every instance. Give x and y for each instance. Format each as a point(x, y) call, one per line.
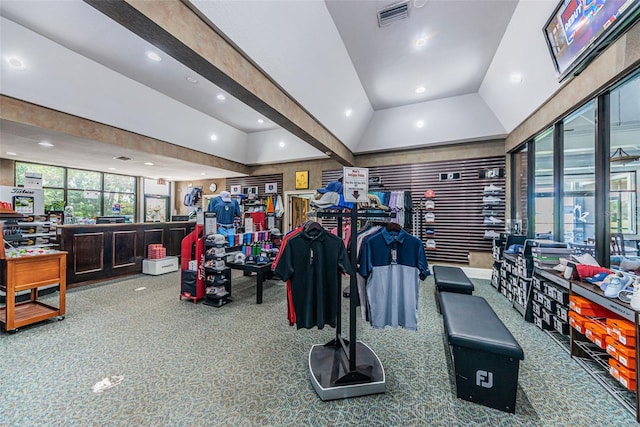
point(30, 273)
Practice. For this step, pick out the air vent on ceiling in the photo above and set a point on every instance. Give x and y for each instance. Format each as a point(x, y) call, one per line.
point(393, 13)
point(123, 158)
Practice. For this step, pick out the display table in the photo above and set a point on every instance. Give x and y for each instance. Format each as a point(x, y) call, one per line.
point(30, 273)
point(260, 269)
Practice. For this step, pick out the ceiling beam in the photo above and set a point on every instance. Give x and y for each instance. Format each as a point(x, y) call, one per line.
point(19, 111)
point(173, 27)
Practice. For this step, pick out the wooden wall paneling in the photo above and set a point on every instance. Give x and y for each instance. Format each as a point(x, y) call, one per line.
point(152, 236)
point(174, 240)
point(124, 248)
point(91, 248)
point(459, 222)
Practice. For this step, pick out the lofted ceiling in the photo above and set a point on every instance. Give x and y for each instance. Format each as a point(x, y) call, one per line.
point(330, 56)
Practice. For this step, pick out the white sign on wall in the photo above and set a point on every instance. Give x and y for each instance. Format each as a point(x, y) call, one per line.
point(271, 188)
point(355, 184)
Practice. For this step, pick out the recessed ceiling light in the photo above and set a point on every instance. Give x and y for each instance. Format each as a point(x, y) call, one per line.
point(516, 78)
point(46, 144)
point(192, 79)
point(169, 176)
point(420, 89)
point(328, 153)
point(281, 144)
point(213, 137)
point(154, 56)
point(260, 121)
point(11, 153)
point(419, 3)
point(203, 173)
point(112, 169)
point(16, 63)
point(348, 113)
point(419, 42)
point(148, 163)
point(419, 124)
point(221, 97)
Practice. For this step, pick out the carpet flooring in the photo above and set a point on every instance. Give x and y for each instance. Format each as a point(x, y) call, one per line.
point(185, 364)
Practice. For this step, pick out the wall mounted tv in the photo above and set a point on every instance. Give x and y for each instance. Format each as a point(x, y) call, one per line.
point(578, 30)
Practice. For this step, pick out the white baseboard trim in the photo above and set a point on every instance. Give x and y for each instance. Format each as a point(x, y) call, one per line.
point(477, 273)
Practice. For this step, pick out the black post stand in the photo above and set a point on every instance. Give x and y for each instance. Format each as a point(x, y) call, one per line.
point(347, 368)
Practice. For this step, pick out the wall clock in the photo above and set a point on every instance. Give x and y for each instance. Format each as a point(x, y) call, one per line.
point(213, 187)
point(302, 180)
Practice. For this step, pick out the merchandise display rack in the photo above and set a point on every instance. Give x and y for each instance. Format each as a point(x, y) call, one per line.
point(345, 368)
point(596, 365)
point(562, 340)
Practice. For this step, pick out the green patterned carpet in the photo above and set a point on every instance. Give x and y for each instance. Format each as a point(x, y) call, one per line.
point(243, 365)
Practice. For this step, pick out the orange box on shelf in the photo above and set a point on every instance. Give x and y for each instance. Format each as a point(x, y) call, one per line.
point(623, 331)
point(629, 383)
point(625, 376)
point(587, 308)
point(617, 370)
point(577, 321)
point(623, 354)
point(596, 333)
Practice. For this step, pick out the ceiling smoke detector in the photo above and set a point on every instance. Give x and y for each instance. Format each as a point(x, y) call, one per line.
point(394, 13)
point(123, 158)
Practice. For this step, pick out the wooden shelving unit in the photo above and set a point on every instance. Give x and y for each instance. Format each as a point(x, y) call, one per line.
point(28, 273)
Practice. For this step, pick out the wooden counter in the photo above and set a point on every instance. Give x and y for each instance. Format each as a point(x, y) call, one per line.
point(102, 251)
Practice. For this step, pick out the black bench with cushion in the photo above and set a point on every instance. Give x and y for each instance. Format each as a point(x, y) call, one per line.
point(486, 357)
point(450, 279)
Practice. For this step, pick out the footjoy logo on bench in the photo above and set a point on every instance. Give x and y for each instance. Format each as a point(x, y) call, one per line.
point(484, 379)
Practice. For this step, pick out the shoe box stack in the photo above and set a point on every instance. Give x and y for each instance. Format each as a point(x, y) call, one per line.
point(217, 274)
point(156, 251)
point(496, 254)
point(609, 333)
point(492, 210)
point(546, 257)
point(550, 306)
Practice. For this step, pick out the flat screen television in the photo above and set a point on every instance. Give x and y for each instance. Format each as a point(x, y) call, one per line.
point(578, 30)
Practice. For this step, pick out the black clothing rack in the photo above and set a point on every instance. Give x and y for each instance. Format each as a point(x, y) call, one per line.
point(353, 375)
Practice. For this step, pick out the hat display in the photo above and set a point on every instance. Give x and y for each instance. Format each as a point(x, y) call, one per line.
point(216, 238)
point(262, 260)
point(275, 232)
point(429, 194)
point(239, 258)
point(225, 196)
point(333, 186)
point(328, 199)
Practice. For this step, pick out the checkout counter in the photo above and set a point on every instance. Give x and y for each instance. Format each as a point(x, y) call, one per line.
point(103, 251)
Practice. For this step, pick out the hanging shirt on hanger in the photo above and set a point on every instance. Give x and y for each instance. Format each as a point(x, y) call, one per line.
point(393, 263)
point(311, 261)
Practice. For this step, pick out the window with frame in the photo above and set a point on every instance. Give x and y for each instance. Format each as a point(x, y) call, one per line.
point(578, 208)
point(543, 190)
point(90, 193)
point(624, 164)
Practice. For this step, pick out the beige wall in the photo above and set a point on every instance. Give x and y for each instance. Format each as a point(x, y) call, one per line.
point(288, 171)
point(7, 172)
point(469, 150)
point(19, 111)
point(183, 187)
point(620, 58)
point(432, 154)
